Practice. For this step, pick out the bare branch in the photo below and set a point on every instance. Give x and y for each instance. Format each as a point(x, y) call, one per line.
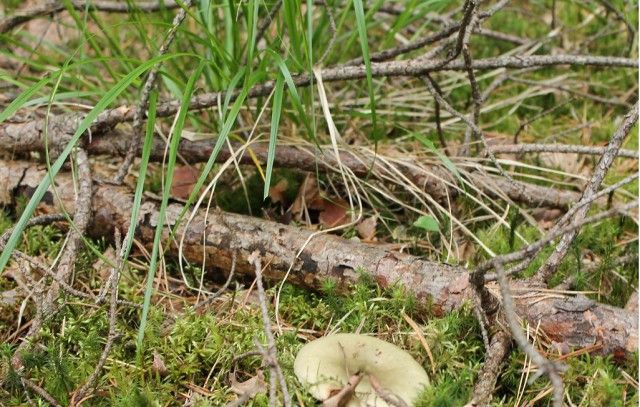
point(549, 267)
point(558, 148)
point(548, 367)
point(272, 360)
point(149, 85)
point(51, 7)
point(488, 377)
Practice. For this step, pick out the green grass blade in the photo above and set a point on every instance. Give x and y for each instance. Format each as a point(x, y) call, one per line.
point(291, 9)
point(253, 28)
point(295, 97)
point(222, 137)
point(362, 34)
point(173, 153)
point(21, 100)
point(273, 138)
point(106, 100)
point(142, 172)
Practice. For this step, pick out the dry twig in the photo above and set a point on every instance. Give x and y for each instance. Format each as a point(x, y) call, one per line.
point(149, 85)
point(52, 7)
point(549, 267)
point(270, 353)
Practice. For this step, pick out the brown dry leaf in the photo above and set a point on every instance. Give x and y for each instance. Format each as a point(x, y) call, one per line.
point(276, 192)
point(334, 214)
point(184, 178)
point(367, 229)
point(158, 365)
point(251, 387)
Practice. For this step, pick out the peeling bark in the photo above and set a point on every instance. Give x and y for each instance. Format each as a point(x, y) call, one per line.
point(574, 321)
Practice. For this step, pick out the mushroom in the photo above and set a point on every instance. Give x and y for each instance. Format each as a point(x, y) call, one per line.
point(327, 365)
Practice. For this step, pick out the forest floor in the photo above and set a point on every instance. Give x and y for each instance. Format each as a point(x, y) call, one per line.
point(386, 124)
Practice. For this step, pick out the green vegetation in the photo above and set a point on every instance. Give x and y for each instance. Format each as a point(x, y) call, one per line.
point(169, 353)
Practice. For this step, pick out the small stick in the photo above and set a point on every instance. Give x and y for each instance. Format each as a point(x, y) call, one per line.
point(488, 376)
point(149, 85)
point(272, 359)
point(54, 7)
point(559, 148)
point(222, 289)
point(549, 267)
point(39, 391)
point(384, 394)
point(83, 392)
point(548, 367)
point(342, 397)
point(533, 248)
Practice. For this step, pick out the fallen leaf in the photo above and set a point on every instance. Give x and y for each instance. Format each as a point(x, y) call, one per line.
point(334, 214)
point(307, 194)
point(158, 365)
point(184, 179)
point(367, 229)
point(276, 192)
point(428, 223)
point(250, 387)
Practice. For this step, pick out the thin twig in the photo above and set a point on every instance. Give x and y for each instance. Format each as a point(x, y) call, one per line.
point(39, 391)
point(559, 148)
point(476, 130)
point(443, 141)
point(222, 289)
point(54, 7)
point(149, 85)
point(488, 376)
point(334, 32)
point(549, 267)
point(384, 394)
point(264, 25)
point(475, 90)
point(112, 334)
point(68, 256)
point(271, 352)
point(548, 367)
point(36, 221)
point(533, 248)
point(607, 191)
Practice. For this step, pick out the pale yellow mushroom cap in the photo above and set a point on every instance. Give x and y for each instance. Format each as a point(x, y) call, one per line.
point(325, 365)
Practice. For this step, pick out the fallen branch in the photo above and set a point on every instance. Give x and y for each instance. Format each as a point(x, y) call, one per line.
point(149, 85)
point(559, 148)
point(564, 318)
point(549, 267)
point(307, 159)
point(413, 67)
point(491, 368)
point(50, 8)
